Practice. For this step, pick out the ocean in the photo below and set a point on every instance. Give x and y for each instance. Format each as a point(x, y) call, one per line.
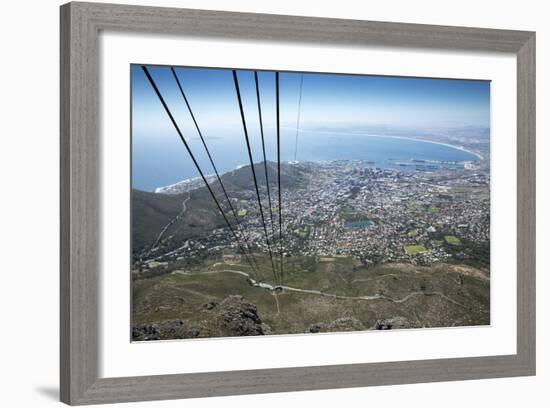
point(160, 164)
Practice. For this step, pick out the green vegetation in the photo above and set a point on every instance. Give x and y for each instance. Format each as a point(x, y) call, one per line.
point(452, 240)
point(415, 249)
point(351, 215)
point(433, 210)
point(183, 294)
point(303, 232)
point(240, 213)
point(470, 253)
point(413, 233)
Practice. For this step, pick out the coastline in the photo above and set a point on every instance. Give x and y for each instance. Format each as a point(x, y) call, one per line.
point(416, 139)
point(209, 178)
point(166, 189)
point(461, 148)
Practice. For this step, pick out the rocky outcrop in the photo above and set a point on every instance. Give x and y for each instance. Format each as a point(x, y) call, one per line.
point(342, 324)
point(233, 316)
point(239, 316)
point(169, 329)
point(145, 332)
point(393, 323)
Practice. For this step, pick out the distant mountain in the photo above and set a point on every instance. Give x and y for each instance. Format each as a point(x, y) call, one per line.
point(194, 213)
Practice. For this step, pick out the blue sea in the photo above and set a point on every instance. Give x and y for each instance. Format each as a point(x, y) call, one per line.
point(156, 164)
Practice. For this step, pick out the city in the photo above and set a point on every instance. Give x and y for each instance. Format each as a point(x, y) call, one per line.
point(375, 215)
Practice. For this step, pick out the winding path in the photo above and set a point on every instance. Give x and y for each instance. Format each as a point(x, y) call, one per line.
point(171, 222)
point(272, 288)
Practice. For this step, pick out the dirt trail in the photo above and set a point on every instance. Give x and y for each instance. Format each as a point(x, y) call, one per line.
point(273, 288)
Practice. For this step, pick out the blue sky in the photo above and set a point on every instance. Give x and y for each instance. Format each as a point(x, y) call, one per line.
point(327, 100)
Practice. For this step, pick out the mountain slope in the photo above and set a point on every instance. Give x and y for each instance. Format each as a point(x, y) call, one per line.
point(194, 213)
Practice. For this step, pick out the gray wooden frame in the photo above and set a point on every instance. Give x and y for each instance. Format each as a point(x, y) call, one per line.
point(80, 26)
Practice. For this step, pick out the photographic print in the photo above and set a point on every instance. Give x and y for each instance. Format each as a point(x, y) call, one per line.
point(269, 203)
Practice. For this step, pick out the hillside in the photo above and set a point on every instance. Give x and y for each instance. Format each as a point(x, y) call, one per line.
point(319, 295)
point(194, 214)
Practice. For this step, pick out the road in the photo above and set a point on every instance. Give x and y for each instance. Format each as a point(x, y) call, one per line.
point(172, 221)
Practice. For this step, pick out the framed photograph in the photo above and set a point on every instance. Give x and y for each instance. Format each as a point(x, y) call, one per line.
point(261, 203)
